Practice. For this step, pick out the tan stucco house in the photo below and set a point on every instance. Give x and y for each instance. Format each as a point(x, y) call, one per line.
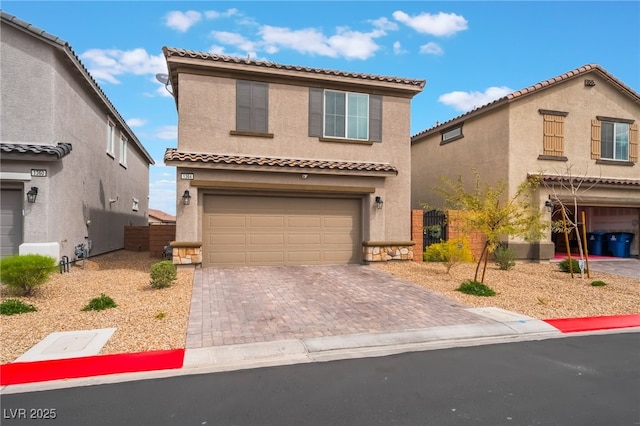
point(286, 165)
point(72, 171)
point(580, 126)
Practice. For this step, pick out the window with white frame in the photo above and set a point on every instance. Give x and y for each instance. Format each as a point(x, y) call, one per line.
point(346, 115)
point(451, 134)
point(111, 137)
point(614, 140)
point(123, 150)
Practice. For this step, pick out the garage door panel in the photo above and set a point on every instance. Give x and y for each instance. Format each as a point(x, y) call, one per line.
point(304, 239)
point(266, 240)
point(261, 230)
point(226, 221)
point(275, 221)
point(304, 222)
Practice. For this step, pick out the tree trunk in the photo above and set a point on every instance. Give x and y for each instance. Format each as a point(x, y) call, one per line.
point(484, 249)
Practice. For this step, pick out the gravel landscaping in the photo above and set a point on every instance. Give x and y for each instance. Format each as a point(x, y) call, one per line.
point(149, 319)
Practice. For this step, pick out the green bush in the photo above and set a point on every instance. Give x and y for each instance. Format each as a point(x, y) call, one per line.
point(504, 257)
point(449, 252)
point(575, 266)
point(15, 306)
point(598, 283)
point(100, 303)
point(163, 274)
point(22, 273)
point(475, 288)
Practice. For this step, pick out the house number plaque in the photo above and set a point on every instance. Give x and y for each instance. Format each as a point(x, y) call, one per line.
point(39, 172)
point(186, 176)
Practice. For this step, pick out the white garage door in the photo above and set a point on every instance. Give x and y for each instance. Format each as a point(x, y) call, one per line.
point(10, 221)
point(253, 230)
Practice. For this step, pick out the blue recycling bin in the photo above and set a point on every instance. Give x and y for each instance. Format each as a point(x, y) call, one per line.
point(595, 242)
point(619, 243)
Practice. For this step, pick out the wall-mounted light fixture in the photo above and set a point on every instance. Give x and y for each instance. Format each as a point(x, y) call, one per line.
point(304, 176)
point(186, 197)
point(549, 205)
point(379, 202)
point(32, 194)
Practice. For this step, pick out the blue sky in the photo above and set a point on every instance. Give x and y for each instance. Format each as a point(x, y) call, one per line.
point(469, 52)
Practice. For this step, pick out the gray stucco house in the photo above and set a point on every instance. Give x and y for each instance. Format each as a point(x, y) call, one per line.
point(72, 171)
point(285, 165)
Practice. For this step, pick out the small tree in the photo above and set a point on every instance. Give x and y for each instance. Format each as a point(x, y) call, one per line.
point(22, 273)
point(488, 210)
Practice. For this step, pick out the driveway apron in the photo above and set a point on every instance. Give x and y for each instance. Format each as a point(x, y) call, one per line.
point(268, 303)
point(625, 267)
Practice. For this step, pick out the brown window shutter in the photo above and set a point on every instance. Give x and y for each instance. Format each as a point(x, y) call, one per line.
point(595, 139)
point(553, 135)
point(316, 107)
point(375, 118)
point(633, 142)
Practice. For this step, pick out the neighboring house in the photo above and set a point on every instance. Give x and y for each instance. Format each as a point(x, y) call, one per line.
point(288, 164)
point(62, 139)
point(158, 217)
point(583, 124)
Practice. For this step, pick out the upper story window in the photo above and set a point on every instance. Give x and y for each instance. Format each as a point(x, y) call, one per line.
point(614, 139)
point(451, 134)
point(553, 133)
point(347, 116)
point(123, 150)
point(111, 137)
point(252, 106)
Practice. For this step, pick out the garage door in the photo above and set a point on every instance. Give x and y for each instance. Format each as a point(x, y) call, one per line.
point(252, 230)
point(10, 221)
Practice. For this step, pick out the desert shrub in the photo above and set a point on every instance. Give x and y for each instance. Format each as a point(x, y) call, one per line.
point(575, 266)
point(451, 252)
point(475, 288)
point(504, 257)
point(163, 274)
point(15, 306)
point(22, 273)
point(598, 283)
point(100, 303)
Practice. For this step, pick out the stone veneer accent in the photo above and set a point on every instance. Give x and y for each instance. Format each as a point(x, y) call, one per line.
point(383, 251)
point(187, 253)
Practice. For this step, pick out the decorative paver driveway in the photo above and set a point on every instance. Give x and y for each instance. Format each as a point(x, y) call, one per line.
point(268, 303)
point(624, 267)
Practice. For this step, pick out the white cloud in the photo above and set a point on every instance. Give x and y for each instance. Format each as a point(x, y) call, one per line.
point(442, 24)
point(212, 14)
point(182, 21)
point(233, 39)
point(167, 132)
point(397, 48)
point(107, 64)
point(136, 122)
point(384, 24)
point(466, 101)
point(431, 48)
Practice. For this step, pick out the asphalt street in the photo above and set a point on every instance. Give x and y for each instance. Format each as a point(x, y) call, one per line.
point(584, 380)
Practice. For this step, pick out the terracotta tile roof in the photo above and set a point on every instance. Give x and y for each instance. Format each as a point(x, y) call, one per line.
point(77, 63)
point(587, 179)
point(532, 89)
point(162, 216)
point(173, 154)
point(171, 51)
point(58, 151)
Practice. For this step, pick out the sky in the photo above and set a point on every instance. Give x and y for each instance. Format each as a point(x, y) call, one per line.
point(469, 52)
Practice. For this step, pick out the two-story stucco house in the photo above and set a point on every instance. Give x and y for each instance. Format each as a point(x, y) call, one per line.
point(581, 126)
point(72, 172)
point(287, 165)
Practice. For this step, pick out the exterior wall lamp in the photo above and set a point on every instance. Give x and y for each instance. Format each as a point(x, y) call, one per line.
point(549, 205)
point(32, 194)
point(379, 202)
point(186, 197)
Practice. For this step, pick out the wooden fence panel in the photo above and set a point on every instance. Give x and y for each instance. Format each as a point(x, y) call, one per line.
point(160, 236)
point(136, 238)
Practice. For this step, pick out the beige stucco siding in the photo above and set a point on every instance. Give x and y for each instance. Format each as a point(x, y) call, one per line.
point(44, 102)
point(484, 148)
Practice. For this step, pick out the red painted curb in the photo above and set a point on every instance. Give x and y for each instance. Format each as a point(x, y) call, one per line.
point(574, 325)
point(98, 365)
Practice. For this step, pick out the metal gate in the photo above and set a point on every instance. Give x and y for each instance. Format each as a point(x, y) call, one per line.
point(434, 227)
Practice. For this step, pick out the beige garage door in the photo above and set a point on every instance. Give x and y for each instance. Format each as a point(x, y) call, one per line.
point(252, 230)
